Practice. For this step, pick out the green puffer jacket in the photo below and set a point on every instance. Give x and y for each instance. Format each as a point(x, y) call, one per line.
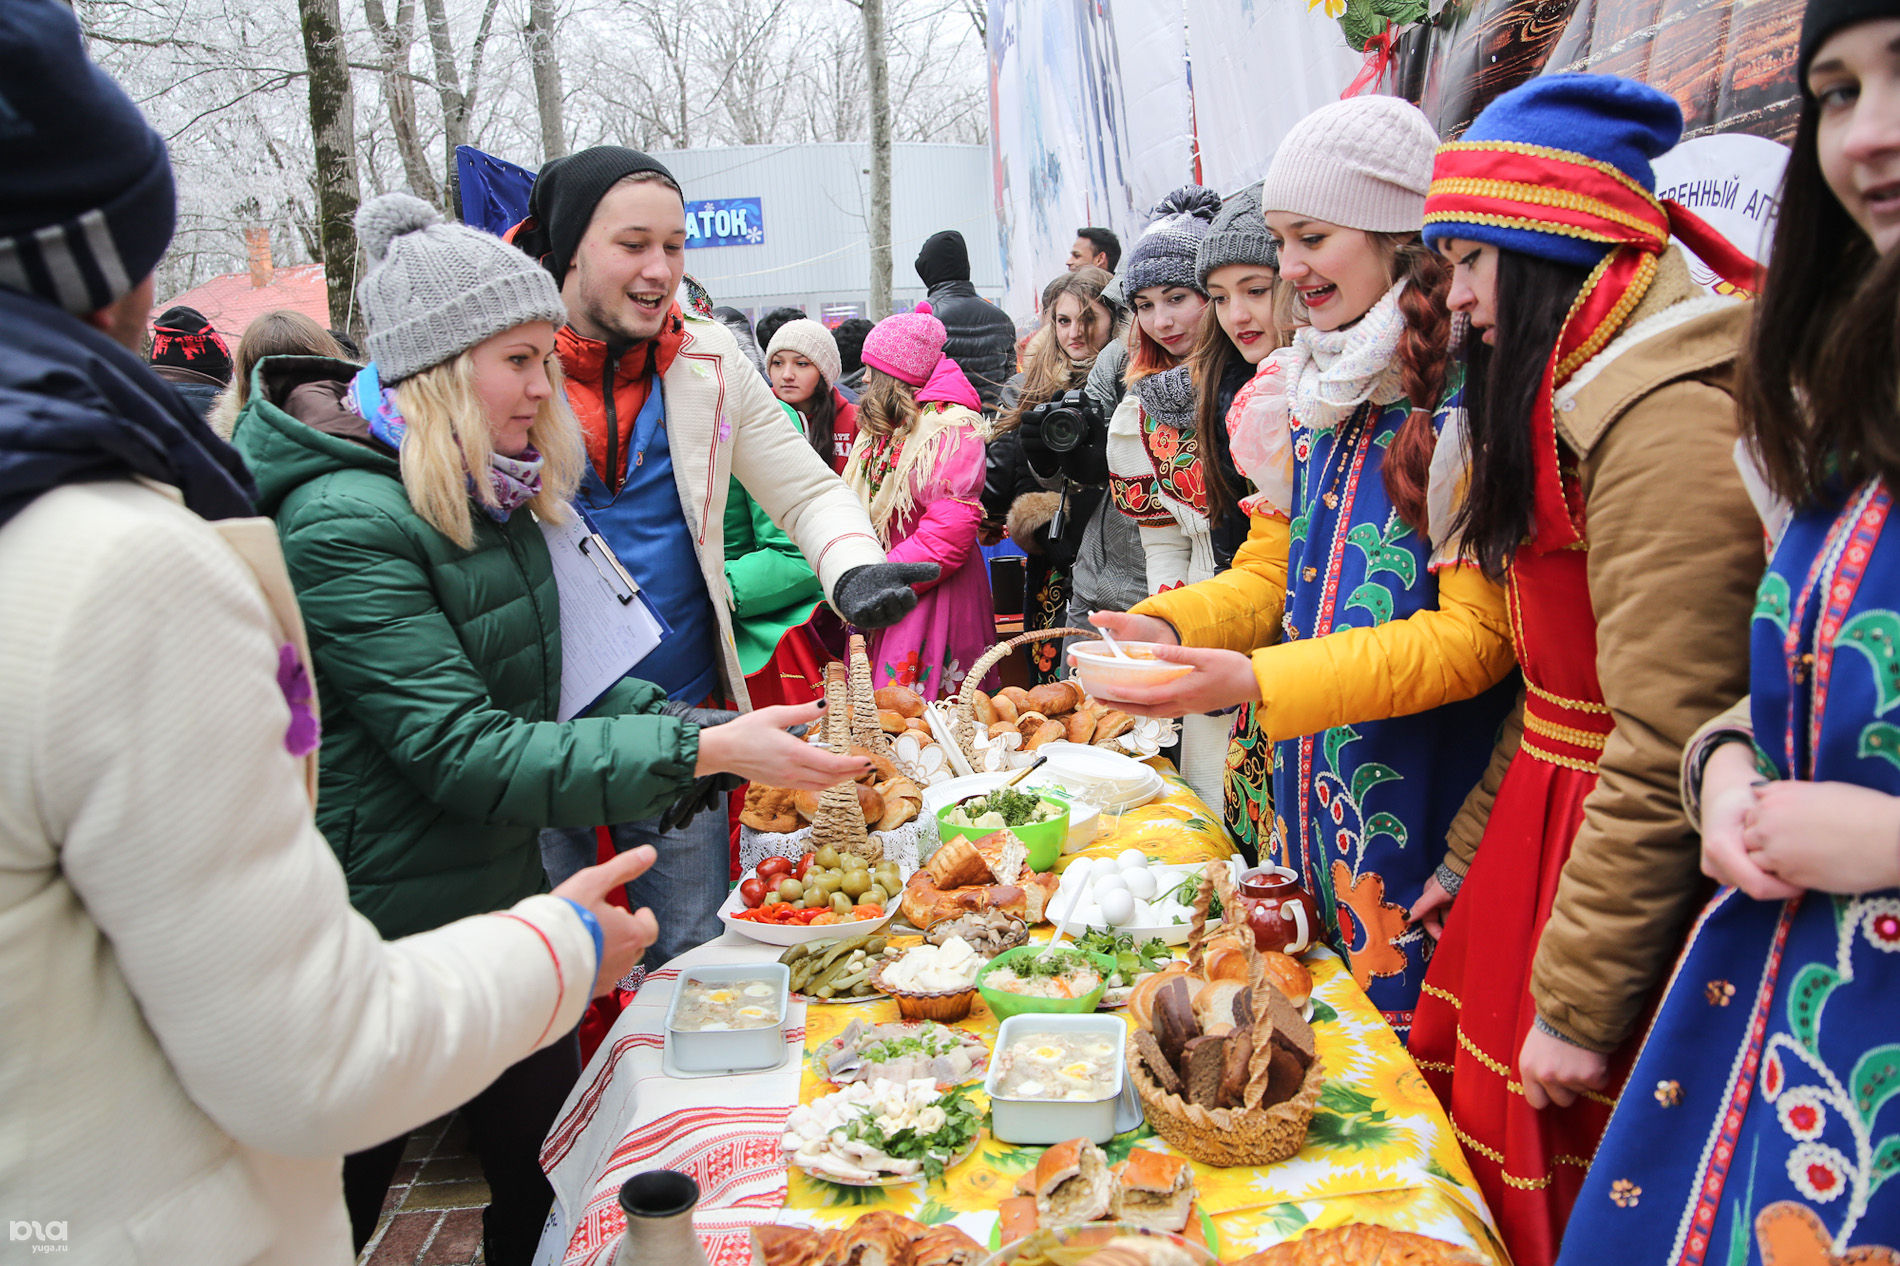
point(439, 674)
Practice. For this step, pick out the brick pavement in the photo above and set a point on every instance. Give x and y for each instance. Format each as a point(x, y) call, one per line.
point(433, 1215)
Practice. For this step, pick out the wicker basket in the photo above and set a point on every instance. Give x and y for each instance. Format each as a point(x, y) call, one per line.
point(1245, 1135)
point(963, 726)
point(839, 822)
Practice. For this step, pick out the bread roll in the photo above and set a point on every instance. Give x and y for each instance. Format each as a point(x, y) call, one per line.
point(1002, 727)
point(982, 709)
point(903, 800)
point(1004, 708)
point(956, 864)
point(879, 1238)
point(1072, 1184)
point(787, 1246)
point(900, 699)
point(891, 722)
point(1016, 695)
point(1080, 726)
point(946, 1245)
point(1290, 975)
point(1113, 724)
point(918, 724)
point(805, 804)
point(870, 804)
point(1055, 697)
point(1049, 731)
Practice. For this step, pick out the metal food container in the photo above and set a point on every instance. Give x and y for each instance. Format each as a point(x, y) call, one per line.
point(730, 1050)
point(1043, 1121)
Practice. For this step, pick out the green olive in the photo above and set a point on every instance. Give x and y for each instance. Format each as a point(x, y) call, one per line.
point(877, 896)
point(827, 857)
point(790, 890)
point(853, 862)
point(856, 883)
point(823, 883)
point(840, 903)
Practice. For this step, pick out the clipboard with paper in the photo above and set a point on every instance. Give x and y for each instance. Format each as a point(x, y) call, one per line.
point(607, 624)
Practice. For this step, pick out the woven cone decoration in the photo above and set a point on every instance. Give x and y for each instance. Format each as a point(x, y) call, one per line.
point(839, 822)
point(865, 731)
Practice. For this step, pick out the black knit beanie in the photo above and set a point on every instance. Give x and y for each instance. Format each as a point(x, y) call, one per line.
point(562, 203)
point(183, 339)
point(86, 202)
point(1824, 17)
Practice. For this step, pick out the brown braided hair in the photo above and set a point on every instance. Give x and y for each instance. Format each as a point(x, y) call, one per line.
point(1424, 356)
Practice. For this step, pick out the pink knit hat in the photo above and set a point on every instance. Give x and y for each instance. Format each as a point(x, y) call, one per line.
point(907, 346)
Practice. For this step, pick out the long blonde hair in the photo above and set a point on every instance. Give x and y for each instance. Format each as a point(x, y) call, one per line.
point(887, 405)
point(1048, 370)
point(445, 459)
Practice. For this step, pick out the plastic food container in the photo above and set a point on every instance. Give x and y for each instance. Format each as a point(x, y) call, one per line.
point(1104, 674)
point(1084, 818)
point(1043, 1121)
point(1042, 841)
point(730, 1050)
point(1003, 1004)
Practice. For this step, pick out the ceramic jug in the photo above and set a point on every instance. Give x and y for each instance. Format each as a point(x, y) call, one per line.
point(659, 1208)
point(1281, 913)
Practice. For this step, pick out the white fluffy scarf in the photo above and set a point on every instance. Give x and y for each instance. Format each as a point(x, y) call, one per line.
point(1331, 373)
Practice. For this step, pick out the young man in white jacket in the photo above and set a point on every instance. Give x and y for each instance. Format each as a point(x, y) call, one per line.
point(197, 1025)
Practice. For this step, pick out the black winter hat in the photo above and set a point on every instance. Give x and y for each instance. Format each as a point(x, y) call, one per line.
point(1824, 17)
point(943, 258)
point(183, 339)
point(87, 205)
point(562, 202)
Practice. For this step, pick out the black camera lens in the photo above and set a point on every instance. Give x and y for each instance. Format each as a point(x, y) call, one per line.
point(1063, 429)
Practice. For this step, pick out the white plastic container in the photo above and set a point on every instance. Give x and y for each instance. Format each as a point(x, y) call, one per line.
point(730, 1050)
point(1044, 1121)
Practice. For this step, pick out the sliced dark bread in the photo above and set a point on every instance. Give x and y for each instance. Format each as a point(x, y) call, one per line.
point(1203, 1065)
point(1290, 1029)
point(1157, 1064)
point(1284, 1077)
point(1175, 1025)
point(1233, 1080)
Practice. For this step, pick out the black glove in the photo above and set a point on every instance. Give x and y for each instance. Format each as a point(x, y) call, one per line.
point(702, 717)
point(878, 595)
point(703, 793)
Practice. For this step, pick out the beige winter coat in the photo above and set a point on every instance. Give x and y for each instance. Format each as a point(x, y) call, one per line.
point(197, 1026)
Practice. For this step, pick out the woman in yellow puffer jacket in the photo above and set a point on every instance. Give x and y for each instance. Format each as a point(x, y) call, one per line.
point(1383, 695)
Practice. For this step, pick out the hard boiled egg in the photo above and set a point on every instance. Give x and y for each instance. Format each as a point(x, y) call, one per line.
point(1106, 884)
point(1118, 907)
point(1141, 883)
point(1132, 859)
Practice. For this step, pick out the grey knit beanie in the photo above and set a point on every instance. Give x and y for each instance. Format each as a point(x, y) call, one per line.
point(433, 290)
point(1169, 397)
point(1237, 236)
point(812, 341)
point(1362, 163)
point(1164, 253)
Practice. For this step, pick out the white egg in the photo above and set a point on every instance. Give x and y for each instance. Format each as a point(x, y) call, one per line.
point(1142, 916)
point(1140, 882)
point(1118, 907)
point(1132, 859)
point(1107, 884)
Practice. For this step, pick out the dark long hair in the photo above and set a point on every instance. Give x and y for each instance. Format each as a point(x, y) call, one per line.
point(1213, 358)
point(1501, 383)
point(820, 412)
point(1817, 383)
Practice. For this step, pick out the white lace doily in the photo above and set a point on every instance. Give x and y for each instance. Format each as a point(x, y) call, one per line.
point(900, 845)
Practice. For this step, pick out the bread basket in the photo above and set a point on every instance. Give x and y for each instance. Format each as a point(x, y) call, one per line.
point(963, 728)
point(1245, 1135)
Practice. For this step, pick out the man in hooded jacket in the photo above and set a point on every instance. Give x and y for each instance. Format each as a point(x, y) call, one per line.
point(982, 337)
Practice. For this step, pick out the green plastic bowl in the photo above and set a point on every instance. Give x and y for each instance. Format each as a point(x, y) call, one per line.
point(1003, 1005)
point(1041, 840)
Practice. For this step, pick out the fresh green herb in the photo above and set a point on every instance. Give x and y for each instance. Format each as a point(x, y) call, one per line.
point(1188, 891)
point(1060, 962)
point(1130, 959)
point(932, 1151)
point(1016, 807)
point(933, 1040)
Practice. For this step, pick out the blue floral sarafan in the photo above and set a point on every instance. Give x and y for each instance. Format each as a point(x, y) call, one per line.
point(1762, 1121)
point(1361, 811)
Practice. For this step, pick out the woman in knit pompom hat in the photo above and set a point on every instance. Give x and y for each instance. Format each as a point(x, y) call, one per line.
point(1604, 489)
point(803, 365)
point(917, 464)
point(1376, 650)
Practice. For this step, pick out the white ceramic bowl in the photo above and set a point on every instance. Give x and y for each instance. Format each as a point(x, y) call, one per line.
point(1104, 674)
point(730, 1050)
point(1044, 1121)
point(783, 934)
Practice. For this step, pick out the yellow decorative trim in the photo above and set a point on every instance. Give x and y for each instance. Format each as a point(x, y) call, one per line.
point(1436, 992)
point(1527, 223)
point(1432, 1065)
point(1578, 705)
point(1542, 196)
point(1547, 151)
point(1564, 733)
point(1517, 1087)
point(1537, 753)
point(1497, 1158)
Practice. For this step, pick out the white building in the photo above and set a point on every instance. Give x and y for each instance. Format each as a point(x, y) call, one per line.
point(796, 222)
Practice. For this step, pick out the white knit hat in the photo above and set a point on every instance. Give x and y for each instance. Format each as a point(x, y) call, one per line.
point(1362, 163)
point(812, 341)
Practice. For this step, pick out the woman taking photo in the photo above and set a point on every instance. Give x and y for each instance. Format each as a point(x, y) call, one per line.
point(917, 465)
point(803, 366)
point(1077, 323)
point(1762, 1120)
point(1603, 491)
point(1373, 646)
point(406, 496)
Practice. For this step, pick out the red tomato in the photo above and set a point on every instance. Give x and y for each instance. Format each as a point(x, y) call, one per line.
point(752, 892)
point(774, 866)
point(804, 864)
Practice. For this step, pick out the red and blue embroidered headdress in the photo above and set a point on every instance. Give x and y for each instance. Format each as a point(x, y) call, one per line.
point(1560, 169)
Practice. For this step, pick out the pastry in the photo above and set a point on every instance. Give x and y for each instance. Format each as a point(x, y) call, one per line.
point(900, 699)
point(1049, 731)
point(1017, 696)
point(925, 902)
point(1113, 724)
point(1079, 727)
point(903, 800)
point(870, 804)
point(946, 1245)
point(1004, 855)
point(1359, 1244)
point(957, 864)
point(1155, 1190)
point(1072, 1184)
point(1003, 708)
point(981, 708)
point(787, 1246)
point(879, 1238)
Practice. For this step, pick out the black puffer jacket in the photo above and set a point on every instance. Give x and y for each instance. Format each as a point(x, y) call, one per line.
point(982, 337)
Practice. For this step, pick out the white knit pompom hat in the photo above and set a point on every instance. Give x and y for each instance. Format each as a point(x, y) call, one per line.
point(812, 341)
point(1362, 163)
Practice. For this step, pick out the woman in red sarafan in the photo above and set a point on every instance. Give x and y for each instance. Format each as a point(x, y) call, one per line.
point(1604, 492)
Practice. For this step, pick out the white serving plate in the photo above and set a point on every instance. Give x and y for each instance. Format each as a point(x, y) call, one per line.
point(1168, 933)
point(784, 935)
point(1116, 782)
point(1044, 1121)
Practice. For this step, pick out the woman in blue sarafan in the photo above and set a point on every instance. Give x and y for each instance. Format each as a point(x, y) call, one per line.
point(1762, 1121)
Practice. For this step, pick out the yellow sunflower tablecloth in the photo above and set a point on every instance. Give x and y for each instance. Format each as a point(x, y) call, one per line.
point(1380, 1148)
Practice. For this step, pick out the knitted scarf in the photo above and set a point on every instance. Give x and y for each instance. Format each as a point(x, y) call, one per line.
point(883, 469)
point(1332, 372)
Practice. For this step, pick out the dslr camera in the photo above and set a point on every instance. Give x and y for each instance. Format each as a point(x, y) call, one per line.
point(1067, 435)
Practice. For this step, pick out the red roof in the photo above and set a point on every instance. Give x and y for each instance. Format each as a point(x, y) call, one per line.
point(231, 302)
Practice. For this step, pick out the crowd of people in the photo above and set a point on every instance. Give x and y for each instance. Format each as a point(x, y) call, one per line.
point(1535, 598)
